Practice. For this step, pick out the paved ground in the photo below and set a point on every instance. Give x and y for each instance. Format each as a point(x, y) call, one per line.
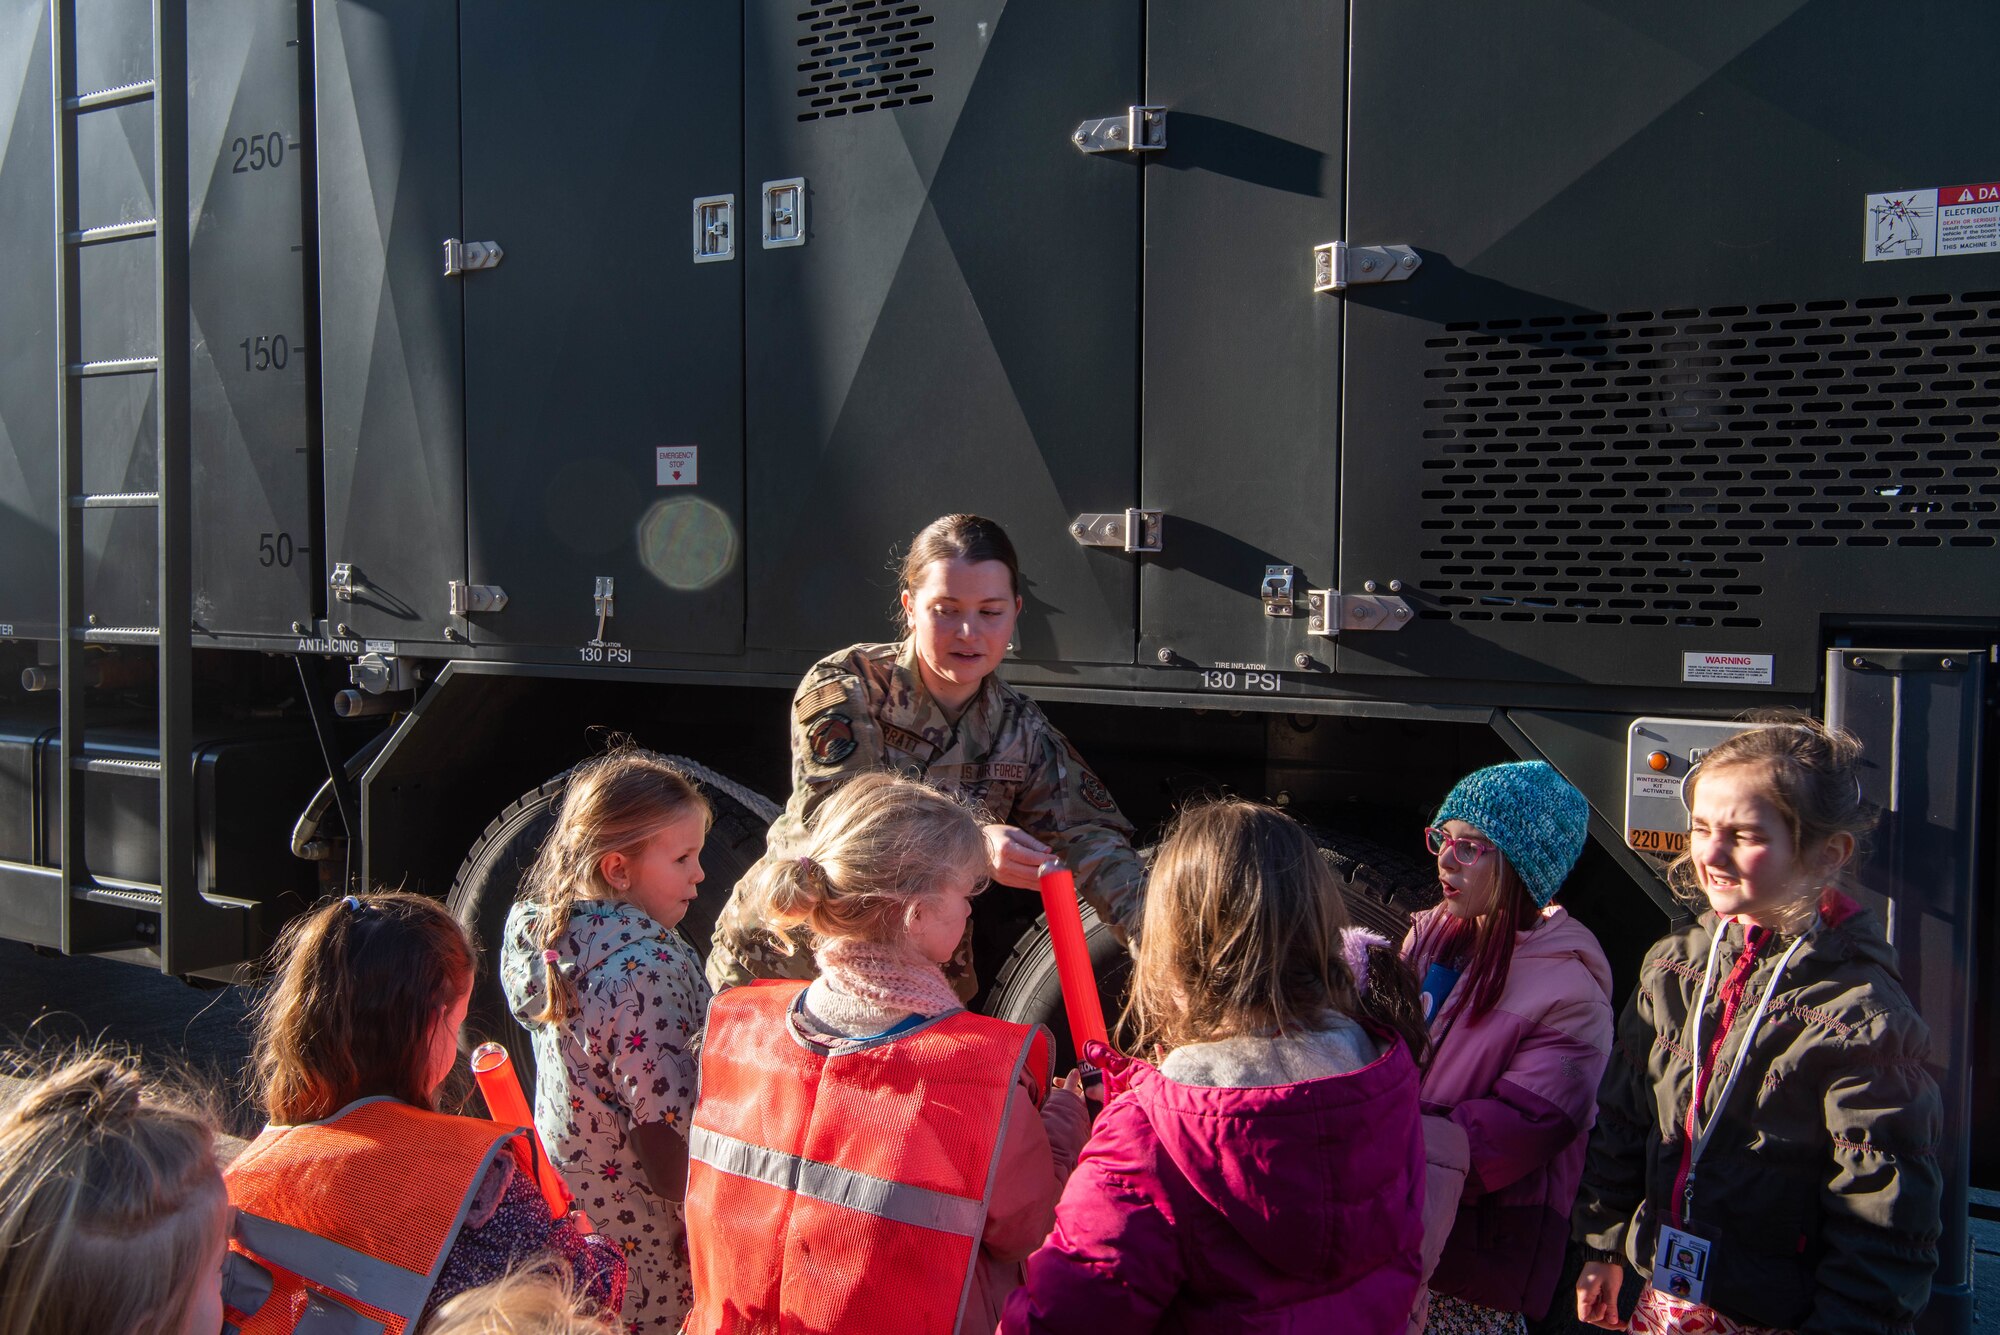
point(50, 1002)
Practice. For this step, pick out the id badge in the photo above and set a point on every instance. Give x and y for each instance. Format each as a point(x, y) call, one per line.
point(1680, 1266)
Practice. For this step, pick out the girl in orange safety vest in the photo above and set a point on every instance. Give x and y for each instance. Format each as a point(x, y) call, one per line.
point(361, 1194)
point(866, 1154)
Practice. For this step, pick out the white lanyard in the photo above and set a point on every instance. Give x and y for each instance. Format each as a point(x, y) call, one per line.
point(1705, 1130)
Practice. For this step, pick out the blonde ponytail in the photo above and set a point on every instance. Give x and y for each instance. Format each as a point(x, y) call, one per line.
point(872, 851)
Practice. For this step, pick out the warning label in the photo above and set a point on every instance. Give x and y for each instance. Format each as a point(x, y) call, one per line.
point(1656, 785)
point(1950, 220)
point(674, 465)
point(1727, 669)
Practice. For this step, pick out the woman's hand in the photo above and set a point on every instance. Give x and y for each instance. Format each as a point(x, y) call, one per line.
point(1015, 857)
point(1597, 1294)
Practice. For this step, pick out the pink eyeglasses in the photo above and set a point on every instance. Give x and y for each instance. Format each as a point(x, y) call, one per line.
point(1464, 852)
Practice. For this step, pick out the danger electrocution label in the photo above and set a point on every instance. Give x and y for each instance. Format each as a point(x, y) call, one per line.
point(1948, 220)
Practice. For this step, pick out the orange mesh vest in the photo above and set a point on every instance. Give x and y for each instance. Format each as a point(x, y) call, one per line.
point(844, 1192)
point(343, 1225)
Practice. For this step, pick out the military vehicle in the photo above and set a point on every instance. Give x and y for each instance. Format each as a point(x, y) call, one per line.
point(395, 392)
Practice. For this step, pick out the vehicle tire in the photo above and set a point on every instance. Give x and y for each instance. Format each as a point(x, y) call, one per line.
point(1381, 887)
point(490, 877)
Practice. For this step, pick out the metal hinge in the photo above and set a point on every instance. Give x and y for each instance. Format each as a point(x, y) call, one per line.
point(1139, 130)
point(1338, 266)
point(474, 597)
point(465, 256)
point(714, 228)
point(343, 582)
point(1329, 612)
point(1132, 530)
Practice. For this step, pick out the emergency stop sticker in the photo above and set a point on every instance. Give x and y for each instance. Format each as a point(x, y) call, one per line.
point(1727, 669)
point(1949, 220)
point(674, 465)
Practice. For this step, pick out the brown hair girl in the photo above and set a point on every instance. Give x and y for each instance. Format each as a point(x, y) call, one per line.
point(871, 852)
point(1243, 935)
point(113, 1215)
point(359, 990)
point(613, 804)
point(1811, 775)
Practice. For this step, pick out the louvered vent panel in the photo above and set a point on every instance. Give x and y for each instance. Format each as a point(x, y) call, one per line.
point(861, 56)
point(1639, 468)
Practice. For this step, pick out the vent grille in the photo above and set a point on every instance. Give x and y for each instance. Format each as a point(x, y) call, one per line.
point(859, 56)
point(1637, 469)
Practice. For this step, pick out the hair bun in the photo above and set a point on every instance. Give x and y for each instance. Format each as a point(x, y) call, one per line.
point(97, 1088)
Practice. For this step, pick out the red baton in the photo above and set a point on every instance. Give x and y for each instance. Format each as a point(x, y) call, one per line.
point(1079, 984)
point(494, 1070)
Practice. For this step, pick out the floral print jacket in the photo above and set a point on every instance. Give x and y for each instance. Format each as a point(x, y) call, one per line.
point(625, 1059)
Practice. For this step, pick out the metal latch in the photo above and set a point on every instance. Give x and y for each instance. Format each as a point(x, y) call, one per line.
point(602, 603)
point(1139, 130)
point(465, 256)
point(1279, 582)
point(714, 228)
point(343, 582)
point(785, 213)
point(1133, 530)
point(1338, 266)
point(475, 597)
point(1329, 612)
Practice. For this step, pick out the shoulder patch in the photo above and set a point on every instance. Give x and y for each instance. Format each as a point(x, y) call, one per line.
point(831, 739)
point(1093, 790)
point(818, 700)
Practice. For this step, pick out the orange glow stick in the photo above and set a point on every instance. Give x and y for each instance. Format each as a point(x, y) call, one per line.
point(1079, 984)
point(494, 1070)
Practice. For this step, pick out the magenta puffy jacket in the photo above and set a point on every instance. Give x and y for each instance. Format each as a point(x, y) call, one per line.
point(1285, 1208)
point(1522, 1081)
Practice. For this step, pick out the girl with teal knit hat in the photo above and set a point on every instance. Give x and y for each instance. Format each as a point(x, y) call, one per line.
point(1518, 997)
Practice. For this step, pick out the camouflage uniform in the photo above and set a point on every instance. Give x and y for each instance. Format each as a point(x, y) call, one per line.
point(866, 709)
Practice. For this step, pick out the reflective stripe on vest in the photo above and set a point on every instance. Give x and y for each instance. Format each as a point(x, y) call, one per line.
point(899, 1201)
point(326, 1263)
point(844, 1190)
point(361, 1208)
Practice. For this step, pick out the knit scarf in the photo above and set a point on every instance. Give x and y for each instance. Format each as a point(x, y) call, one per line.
point(863, 986)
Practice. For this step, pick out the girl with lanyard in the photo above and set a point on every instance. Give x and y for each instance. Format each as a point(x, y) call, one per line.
point(1518, 995)
point(1763, 1154)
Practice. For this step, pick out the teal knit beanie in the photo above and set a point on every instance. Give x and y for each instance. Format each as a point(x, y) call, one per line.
point(1531, 813)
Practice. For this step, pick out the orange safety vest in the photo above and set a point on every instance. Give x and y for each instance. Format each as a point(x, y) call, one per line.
point(343, 1225)
point(845, 1191)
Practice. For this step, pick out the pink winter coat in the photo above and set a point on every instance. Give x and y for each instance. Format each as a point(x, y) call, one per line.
point(1522, 1081)
point(1292, 1207)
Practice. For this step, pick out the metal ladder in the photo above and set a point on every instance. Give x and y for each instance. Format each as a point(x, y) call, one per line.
point(97, 912)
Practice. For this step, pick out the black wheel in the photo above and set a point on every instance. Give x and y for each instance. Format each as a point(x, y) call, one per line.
point(1381, 887)
point(490, 877)
point(1027, 990)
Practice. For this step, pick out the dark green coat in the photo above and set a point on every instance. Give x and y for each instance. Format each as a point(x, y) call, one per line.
point(1820, 1186)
